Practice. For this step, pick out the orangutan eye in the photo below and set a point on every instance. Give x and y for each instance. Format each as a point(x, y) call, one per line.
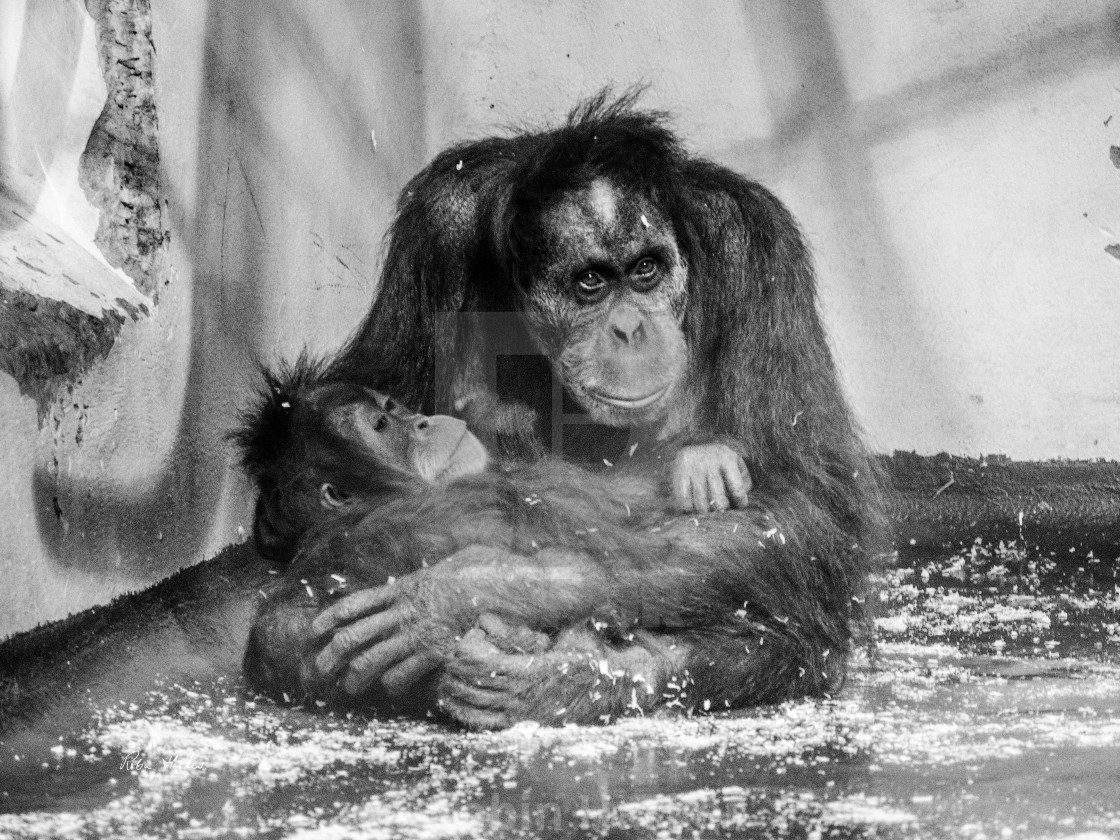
point(380, 424)
point(390, 405)
point(646, 274)
point(590, 284)
point(332, 497)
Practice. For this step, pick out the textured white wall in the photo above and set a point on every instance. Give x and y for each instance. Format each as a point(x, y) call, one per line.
point(949, 161)
point(996, 199)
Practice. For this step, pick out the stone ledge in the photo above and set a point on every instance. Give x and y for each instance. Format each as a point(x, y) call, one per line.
point(940, 499)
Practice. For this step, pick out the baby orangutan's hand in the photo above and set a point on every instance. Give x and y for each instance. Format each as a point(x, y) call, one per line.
point(709, 476)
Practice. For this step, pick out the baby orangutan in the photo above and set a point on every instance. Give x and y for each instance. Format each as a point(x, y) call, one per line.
point(421, 573)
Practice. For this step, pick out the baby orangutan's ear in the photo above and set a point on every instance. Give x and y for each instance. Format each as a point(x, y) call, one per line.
point(331, 497)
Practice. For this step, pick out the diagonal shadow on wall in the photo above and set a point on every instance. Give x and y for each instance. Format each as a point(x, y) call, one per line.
point(817, 118)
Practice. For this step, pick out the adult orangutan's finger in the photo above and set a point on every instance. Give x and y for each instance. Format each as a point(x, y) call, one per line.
point(352, 607)
point(682, 487)
point(738, 482)
point(717, 498)
point(512, 638)
point(699, 496)
point(462, 691)
point(403, 676)
point(370, 665)
point(348, 640)
point(474, 718)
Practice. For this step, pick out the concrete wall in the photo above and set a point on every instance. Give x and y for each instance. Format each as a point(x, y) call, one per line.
point(950, 162)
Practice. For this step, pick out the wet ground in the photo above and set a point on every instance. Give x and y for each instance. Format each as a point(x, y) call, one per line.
point(991, 709)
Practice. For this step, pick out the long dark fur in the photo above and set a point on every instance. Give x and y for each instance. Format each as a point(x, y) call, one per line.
point(760, 621)
point(721, 584)
point(462, 236)
point(755, 336)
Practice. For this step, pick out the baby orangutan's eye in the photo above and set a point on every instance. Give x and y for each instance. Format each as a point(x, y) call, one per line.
point(332, 497)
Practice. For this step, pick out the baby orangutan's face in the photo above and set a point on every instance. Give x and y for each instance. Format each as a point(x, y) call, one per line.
point(437, 448)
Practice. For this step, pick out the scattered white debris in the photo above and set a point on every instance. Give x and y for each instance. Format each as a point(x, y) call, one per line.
point(933, 703)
